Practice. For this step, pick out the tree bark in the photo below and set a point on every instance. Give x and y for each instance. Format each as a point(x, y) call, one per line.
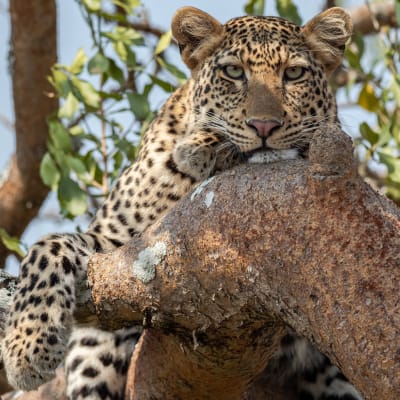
point(34, 48)
point(309, 245)
point(304, 244)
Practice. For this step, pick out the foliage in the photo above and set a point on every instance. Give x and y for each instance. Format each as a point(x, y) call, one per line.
point(376, 76)
point(254, 7)
point(105, 104)
point(288, 10)
point(11, 243)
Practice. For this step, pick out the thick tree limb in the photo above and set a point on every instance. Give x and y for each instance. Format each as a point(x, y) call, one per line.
point(258, 247)
point(33, 39)
point(308, 245)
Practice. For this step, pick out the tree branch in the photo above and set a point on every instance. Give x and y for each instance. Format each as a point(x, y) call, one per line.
point(34, 47)
point(370, 18)
point(311, 246)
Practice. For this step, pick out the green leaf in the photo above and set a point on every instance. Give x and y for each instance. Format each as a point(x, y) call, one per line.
point(98, 64)
point(397, 5)
point(118, 160)
point(287, 9)
point(86, 92)
point(163, 43)
point(60, 81)
point(115, 72)
point(125, 54)
point(49, 172)
point(59, 136)
point(12, 243)
point(385, 135)
point(167, 86)
point(127, 5)
point(139, 105)
point(76, 165)
point(393, 165)
point(78, 63)
point(125, 35)
point(92, 5)
point(367, 98)
point(173, 70)
point(69, 107)
point(71, 197)
point(255, 7)
point(76, 130)
point(368, 134)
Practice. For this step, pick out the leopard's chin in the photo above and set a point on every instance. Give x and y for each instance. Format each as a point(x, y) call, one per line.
point(265, 156)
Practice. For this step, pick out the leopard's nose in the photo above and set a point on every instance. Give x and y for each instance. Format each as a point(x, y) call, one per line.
point(262, 126)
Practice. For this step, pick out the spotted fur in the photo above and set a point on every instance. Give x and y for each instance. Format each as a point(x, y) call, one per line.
point(258, 91)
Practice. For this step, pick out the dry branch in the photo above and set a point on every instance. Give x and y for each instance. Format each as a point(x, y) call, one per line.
point(310, 245)
point(33, 39)
point(370, 18)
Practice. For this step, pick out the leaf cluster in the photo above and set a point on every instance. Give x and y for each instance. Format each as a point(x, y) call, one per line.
point(105, 103)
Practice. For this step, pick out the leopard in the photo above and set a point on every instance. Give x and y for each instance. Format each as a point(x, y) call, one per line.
point(258, 92)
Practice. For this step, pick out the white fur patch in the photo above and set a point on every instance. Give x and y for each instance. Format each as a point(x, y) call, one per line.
point(268, 156)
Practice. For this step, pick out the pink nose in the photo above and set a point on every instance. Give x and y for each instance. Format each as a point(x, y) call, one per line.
point(263, 127)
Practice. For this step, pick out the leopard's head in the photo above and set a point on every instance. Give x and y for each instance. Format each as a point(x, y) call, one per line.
point(262, 82)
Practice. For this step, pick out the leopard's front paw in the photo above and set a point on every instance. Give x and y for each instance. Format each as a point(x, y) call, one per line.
point(194, 159)
point(32, 350)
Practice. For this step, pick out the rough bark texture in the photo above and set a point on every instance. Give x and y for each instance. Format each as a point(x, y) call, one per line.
point(302, 243)
point(310, 245)
point(34, 47)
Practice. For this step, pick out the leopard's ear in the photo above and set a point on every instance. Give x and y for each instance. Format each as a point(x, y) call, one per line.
point(197, 33)
point(326, 35)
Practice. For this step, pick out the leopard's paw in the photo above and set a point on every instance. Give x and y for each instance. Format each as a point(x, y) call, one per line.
point(32, 350)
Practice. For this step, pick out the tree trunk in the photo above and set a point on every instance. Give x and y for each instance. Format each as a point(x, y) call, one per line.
point(34, 50)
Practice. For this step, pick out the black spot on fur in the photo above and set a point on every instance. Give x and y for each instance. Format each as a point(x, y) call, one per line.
point(54, 279)
point(55, 248)
point(90, 372)
point(50, 300)
point(75, 364)
point(68, 267)
point(89, 342)
point(43, 263)
point(106, 359)
point(52, 340)
point(44, 317)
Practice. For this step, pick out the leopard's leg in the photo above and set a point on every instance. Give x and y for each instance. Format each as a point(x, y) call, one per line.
point(41, 315)
point(97, 363)
point(316, 377)
point(197, 155)
point(326, 382)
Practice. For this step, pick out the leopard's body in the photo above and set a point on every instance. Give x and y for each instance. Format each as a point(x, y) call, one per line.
point(258, 91)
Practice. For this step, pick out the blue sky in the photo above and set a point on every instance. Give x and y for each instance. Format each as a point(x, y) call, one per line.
point(72, 35)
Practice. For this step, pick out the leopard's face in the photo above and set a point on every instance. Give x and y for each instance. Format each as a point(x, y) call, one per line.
point(262, 82)
point(263, 70)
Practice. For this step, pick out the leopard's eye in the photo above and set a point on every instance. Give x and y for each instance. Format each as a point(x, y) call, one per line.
point(293, 73)
point(233, 71)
